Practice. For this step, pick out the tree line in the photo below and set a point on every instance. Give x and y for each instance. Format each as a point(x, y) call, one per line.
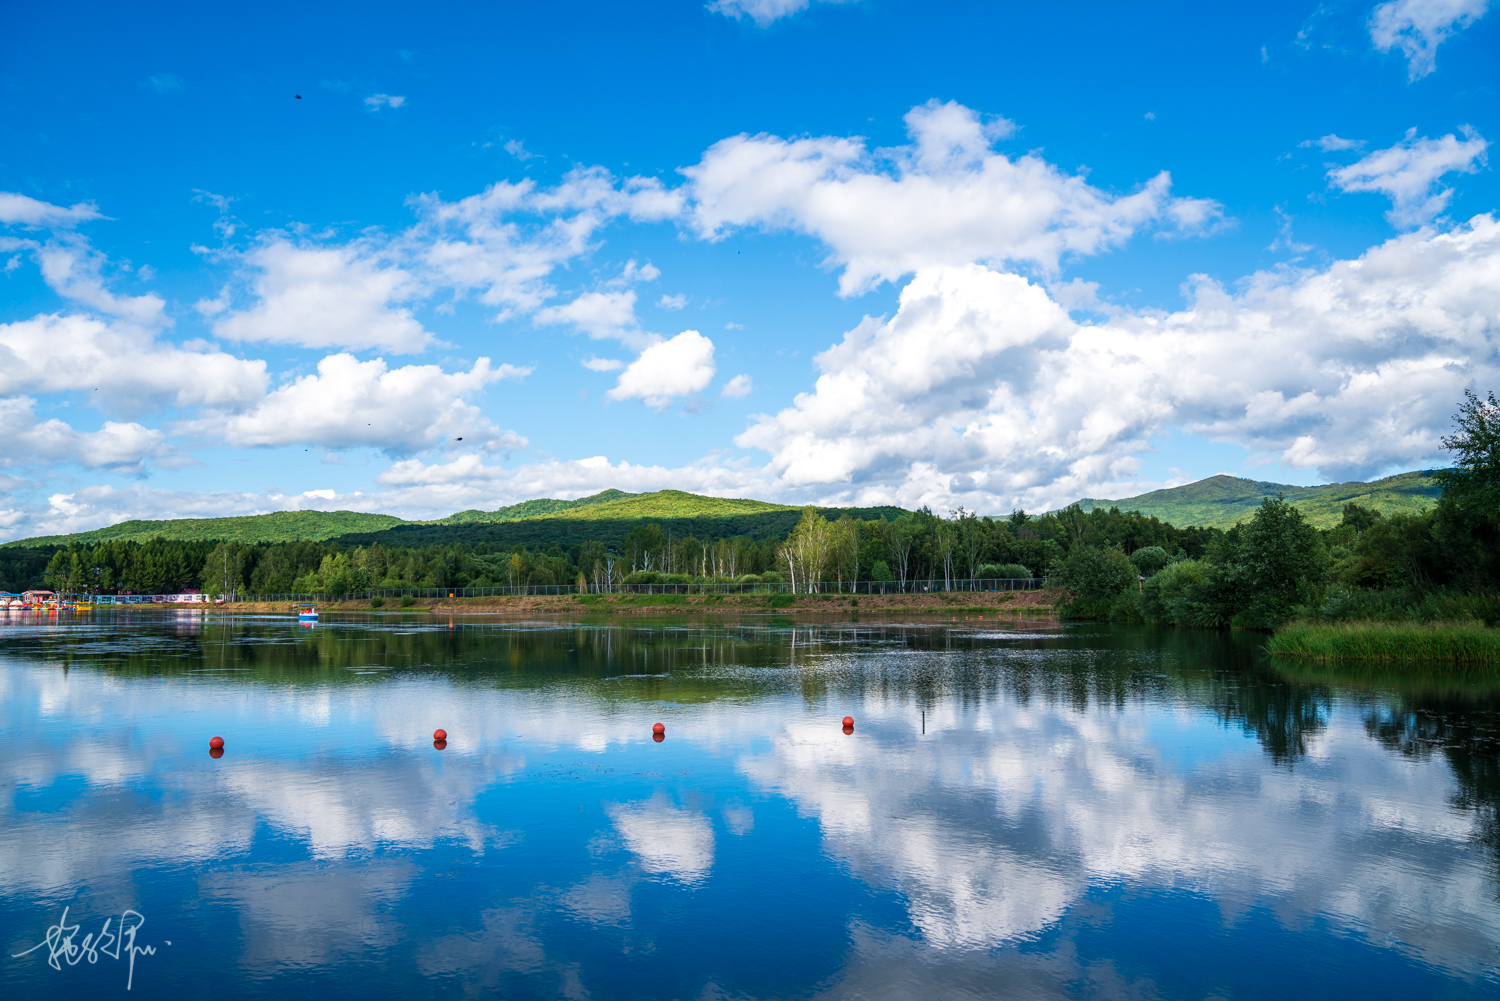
point(1442, 563)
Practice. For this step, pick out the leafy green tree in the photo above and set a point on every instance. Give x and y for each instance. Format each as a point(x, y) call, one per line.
point(1149, 560)
point(1282, 563)
point(1096, 575)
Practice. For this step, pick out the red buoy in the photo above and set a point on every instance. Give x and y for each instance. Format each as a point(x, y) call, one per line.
point(658, 737)
point(658, 728)
point(848, 720)
point(216, 752)
point(440, 734)
point(439, 744)
point(216, 742)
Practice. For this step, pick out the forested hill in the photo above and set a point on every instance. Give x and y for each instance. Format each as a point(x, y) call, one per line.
point(1221, 501)
point(607, 517)
point(279, 526)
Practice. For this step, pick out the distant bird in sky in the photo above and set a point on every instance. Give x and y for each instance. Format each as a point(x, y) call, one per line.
point(460, 439)
point(297, 96)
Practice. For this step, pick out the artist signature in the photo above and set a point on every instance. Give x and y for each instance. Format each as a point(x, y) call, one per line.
point(63, 947)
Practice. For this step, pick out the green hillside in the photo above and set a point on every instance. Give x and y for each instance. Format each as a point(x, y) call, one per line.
point(1221, 501)
point(611, 521)
point(608, 516)
point(279, 526)
point(538, 508)
point(616, 505)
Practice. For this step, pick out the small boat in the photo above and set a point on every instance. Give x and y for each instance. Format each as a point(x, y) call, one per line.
point(307, 613)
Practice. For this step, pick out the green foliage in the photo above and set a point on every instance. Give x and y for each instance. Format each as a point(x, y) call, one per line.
point(1445, 642)
point(1003, 571)
point(1096, 576)
point(1476, 446)
point(1167, 596)
point(1149, 560)
point(1281, 564)
point(1223, 501)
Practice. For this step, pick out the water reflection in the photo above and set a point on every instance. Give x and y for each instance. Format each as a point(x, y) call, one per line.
point(1020, 810)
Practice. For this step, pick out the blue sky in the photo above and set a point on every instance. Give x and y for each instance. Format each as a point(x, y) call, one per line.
point(989, 255)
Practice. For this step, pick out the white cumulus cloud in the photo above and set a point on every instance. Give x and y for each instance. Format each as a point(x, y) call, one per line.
point(363, 403)
point(947, 198)
point(675, 367)
point(982, 390)
point(377, 101)
point(126, 367)
point(116, 447)
point(327, 297)
point(1418, 27)
point(1408, 173)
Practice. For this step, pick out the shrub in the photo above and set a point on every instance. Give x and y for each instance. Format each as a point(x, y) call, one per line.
point(1003, 571)
point(407, 601)
point(773, 577)
point(1095, 573)
point(377, 602)
point(881, 573)
point(1163, 597)
point(642, 577)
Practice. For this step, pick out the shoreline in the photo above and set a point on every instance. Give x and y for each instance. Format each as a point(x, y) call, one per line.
point(936, 603)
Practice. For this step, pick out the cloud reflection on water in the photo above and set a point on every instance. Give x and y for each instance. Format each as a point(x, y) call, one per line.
point(992, 828)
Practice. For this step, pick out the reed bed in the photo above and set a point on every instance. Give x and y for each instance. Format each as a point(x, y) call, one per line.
point(1415, 642)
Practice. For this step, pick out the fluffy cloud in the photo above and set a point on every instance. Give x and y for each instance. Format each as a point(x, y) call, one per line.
point(326, 297)
point(354, 403)
point(126, 367)
point(20, 210)
point(117, 447)
point(1418, 27)
point(982, 390)
point(377, 101)
point(736, 388)
point(1408, 173)
point(74, 270)
point(600, 315)
point(482, 243)
point(947, 198)
point(676, 367)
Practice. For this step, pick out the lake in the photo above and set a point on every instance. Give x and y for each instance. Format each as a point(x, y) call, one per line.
point(1022, 809)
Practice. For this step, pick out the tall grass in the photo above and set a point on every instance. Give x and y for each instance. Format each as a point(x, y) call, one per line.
point(1435, 643)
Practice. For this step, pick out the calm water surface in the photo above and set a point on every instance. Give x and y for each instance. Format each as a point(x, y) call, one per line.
point(1025, 810)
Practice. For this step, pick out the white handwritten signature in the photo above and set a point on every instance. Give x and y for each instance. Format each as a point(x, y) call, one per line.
point(60, 945)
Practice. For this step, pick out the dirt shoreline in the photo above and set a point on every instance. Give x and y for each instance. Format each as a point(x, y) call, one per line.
point(961, 602)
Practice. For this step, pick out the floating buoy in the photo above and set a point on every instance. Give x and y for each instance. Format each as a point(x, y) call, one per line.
point(848, 720)
point(217, 743)
point(658, 737)
point(848, 729)
point(440, 734)
point(216, 752)
point(658, 728)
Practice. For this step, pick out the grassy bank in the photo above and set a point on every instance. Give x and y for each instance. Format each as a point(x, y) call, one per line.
point(1431, 643)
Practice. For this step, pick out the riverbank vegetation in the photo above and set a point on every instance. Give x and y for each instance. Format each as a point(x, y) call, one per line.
point(1436, 565)
point(1424, 642)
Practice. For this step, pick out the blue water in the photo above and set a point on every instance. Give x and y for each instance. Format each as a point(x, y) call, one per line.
point(1027, 810)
